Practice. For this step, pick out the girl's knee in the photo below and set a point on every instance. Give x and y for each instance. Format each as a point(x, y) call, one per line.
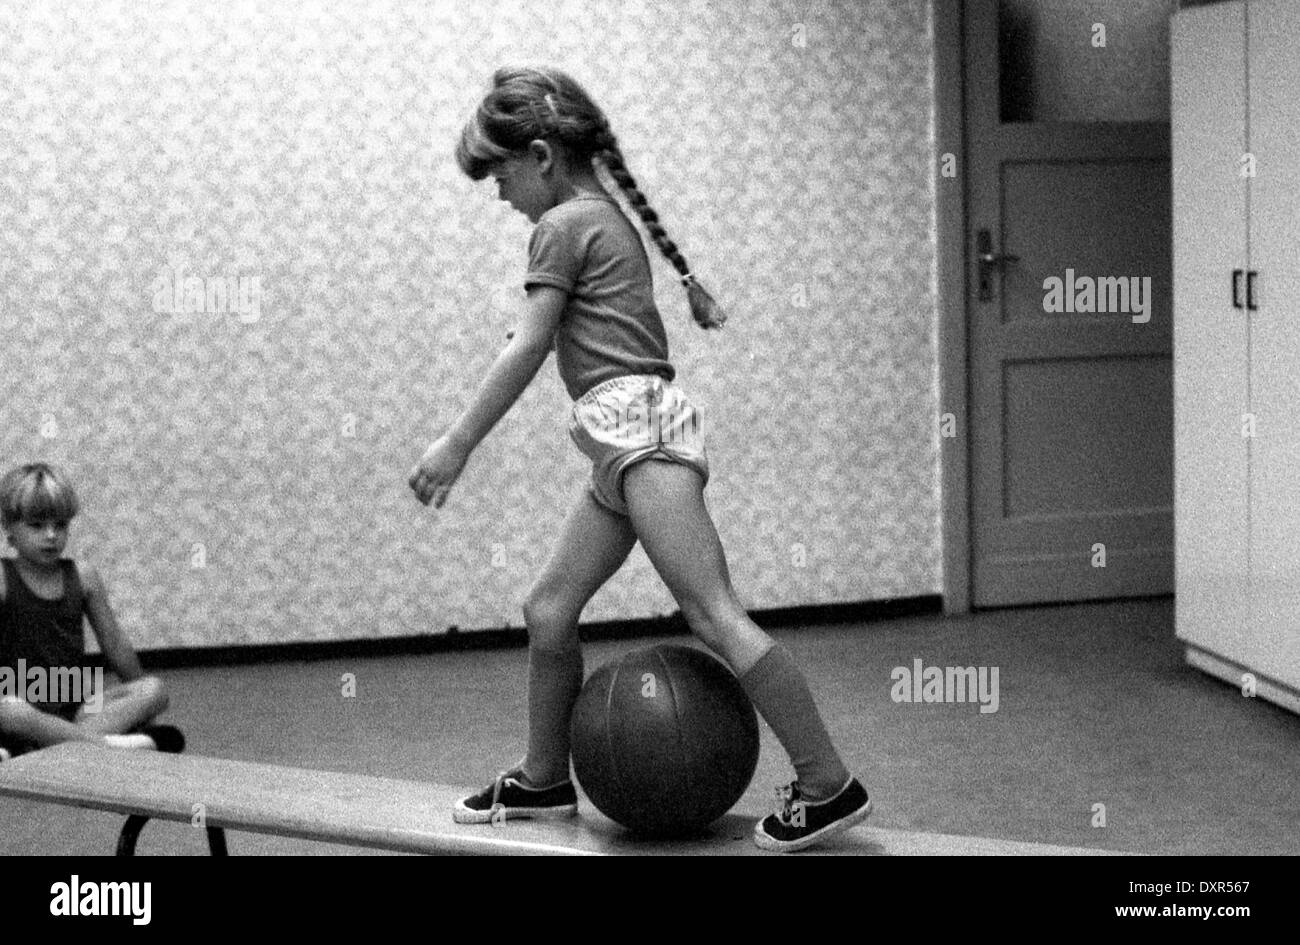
point(710, 614)
point(718, 622)
point(550, 620)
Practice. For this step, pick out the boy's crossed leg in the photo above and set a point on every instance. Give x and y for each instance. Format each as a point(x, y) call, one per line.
point(22, 722)
point(125, 707)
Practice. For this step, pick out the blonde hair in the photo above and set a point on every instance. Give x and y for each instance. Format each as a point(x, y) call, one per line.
point(546, 104)
point(37, 492)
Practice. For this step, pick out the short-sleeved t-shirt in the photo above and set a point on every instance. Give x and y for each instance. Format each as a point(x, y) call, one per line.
point(610, 326)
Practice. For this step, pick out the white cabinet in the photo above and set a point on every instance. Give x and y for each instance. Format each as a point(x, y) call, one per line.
point(1236, 100)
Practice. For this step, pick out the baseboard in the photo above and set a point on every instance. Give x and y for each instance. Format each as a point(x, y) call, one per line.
point(1231, 673)
point(515, 637)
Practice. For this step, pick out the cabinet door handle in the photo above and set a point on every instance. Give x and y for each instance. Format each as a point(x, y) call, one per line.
point(1250, 291)
point(1236, 288)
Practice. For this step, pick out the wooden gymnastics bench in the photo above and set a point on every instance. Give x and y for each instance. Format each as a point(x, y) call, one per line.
point(219, 794)
point(384, 813)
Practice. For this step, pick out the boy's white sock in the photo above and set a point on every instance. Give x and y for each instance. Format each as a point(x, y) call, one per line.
point(136, 740)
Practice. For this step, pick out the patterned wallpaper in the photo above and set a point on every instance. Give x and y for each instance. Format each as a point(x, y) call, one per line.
point(243, 285)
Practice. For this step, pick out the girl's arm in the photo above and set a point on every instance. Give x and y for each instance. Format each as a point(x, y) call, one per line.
point(514, 368)
point(117, 650)
point(509, 375)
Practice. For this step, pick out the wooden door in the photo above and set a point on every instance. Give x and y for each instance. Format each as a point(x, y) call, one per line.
point(1071, 411)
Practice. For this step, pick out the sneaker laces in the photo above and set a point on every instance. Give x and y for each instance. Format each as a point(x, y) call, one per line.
point(498, 785)
point(788, 797)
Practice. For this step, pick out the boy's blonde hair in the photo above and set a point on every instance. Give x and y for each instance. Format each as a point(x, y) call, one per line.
point(37, 492)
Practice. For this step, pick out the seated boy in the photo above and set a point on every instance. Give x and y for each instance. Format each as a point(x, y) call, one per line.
point(49, 693)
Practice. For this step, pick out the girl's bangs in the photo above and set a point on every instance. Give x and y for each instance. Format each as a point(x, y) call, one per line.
point(476, 153)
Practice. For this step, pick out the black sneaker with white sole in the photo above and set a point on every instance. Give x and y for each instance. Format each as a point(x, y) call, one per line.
point(508, 797)
point(800, 824)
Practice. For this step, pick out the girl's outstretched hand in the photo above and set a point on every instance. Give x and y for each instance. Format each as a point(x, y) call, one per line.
point(436, 472)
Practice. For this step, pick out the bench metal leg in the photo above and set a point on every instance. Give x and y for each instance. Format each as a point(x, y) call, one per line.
point(217, 841)
point(130, 833)
point(135, 823)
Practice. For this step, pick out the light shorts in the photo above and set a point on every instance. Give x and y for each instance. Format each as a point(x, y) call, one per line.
point(625, 420)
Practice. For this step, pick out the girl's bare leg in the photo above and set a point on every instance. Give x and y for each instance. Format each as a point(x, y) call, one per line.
point(666, 502)
point(593, 545)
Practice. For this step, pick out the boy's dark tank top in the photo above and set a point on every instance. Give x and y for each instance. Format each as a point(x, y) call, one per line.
point(43, 632)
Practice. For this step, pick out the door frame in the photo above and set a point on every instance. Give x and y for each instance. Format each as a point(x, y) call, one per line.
point(948, 19)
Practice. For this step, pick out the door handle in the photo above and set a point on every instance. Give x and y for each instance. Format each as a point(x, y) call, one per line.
point(988, 262)
point(1236, 288)
point(1250, 291)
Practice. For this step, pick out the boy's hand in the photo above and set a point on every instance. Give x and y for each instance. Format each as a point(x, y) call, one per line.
point(436, 472)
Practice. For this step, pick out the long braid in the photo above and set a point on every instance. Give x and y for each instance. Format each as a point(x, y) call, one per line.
point(706, 312)
point(527, 104)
